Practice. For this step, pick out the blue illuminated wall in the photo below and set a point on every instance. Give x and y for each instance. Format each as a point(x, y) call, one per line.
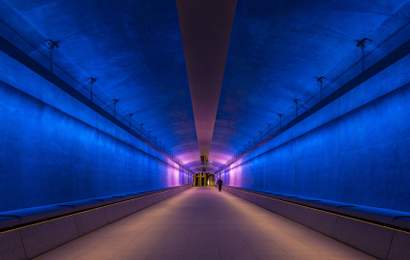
point(54, 149)
point(356, 150)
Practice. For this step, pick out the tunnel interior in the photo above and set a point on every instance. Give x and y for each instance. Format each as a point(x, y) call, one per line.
point(303, 100)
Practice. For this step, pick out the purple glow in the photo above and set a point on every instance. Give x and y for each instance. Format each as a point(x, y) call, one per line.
point(220, 158)
point(188, 158)
point(216, 160)
point(233, 176)
point(174, 174)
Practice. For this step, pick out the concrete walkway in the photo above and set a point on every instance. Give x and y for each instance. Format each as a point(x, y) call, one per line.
point(204, 224)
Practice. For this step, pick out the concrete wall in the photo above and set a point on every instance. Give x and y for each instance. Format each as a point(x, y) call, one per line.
point(54, 149)
point(356, 150)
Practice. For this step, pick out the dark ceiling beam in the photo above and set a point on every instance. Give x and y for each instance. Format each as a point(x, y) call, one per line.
point(205, 29)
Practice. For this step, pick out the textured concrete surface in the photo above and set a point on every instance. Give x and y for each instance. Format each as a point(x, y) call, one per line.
point(204, 224)
point(53, 157)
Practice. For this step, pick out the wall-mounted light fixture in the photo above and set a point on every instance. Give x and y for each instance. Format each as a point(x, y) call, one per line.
point(91, 82)
point(52, 45)
point(362, 44)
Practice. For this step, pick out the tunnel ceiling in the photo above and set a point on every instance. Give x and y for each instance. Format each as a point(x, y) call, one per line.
point(136, 52)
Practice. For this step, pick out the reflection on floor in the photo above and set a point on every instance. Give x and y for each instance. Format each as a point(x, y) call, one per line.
point(204, 224)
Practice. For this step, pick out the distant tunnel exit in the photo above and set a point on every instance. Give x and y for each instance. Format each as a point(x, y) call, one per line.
point(203, 179)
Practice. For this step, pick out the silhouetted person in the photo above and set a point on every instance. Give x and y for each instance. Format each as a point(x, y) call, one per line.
point(219, 182)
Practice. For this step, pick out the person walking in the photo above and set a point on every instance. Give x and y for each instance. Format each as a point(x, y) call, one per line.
point(219, 182)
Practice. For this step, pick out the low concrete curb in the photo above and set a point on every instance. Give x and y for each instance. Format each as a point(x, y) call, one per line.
point(377, 240)
point(33, 239)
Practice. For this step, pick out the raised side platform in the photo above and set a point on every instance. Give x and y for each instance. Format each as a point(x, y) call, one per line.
point(381, 241)
point(33, 235)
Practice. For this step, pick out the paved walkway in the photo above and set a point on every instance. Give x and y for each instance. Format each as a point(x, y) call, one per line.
point(204, 224)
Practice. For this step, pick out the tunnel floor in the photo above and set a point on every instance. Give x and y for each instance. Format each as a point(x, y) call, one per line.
point(202, 223)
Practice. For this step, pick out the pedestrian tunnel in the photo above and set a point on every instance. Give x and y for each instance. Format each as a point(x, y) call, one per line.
point(204, 129)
